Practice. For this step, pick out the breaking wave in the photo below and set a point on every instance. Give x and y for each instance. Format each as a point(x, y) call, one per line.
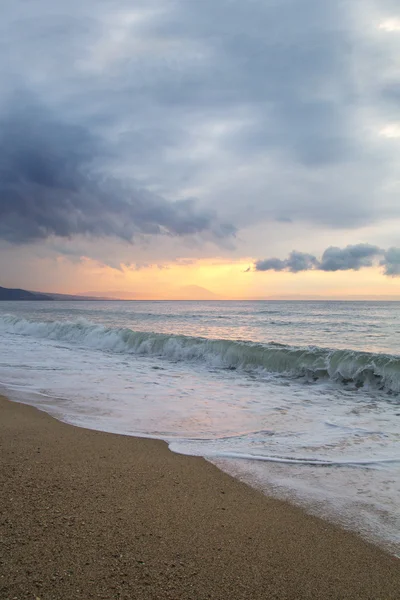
point(358, 369)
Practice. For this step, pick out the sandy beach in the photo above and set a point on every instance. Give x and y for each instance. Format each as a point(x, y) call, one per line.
point(86, 514)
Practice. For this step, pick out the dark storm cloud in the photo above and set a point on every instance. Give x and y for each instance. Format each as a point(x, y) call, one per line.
point(52, 182)
point(350, 258)
point(257, 106)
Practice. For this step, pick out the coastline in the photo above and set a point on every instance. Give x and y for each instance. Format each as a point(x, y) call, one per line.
point(90, 514)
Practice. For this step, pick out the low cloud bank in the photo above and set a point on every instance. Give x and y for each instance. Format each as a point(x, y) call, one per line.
point(350, 258)
point(53, 182)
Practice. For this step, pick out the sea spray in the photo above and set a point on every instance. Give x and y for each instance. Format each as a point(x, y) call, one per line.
point(311, 363)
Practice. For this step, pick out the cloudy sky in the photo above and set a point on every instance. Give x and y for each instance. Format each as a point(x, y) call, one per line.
point(250, 147)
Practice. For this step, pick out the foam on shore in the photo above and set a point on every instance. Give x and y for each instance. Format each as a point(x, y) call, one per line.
point(88, 514)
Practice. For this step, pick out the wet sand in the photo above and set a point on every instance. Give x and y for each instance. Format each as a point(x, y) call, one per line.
point(86, 514)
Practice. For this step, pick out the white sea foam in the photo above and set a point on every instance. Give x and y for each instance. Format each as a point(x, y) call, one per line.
point(314, 423)
point(374, 370)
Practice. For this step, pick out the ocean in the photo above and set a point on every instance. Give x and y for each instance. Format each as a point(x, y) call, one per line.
point(298, 399)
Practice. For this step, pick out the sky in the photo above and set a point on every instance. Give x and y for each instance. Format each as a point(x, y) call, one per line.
point(152, 148)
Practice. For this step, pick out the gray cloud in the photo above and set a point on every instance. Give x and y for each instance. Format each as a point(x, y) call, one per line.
point(296, 262)
point(350, 258)
point(53, 183)
point(391, 262)
point(270, 264)
point(267, 112)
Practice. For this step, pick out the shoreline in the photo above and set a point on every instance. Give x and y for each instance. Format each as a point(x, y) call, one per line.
point(92, 514)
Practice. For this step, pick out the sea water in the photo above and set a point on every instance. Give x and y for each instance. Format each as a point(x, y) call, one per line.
point(300, 399)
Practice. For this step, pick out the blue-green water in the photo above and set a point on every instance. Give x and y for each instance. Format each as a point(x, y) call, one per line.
point(300, 398)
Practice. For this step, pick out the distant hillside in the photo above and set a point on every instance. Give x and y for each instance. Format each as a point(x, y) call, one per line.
point(186, 292)
point(74, 297)
point(17, 294)
point(195, 292)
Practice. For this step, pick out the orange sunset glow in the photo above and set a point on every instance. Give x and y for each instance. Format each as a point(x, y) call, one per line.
point(215, 279)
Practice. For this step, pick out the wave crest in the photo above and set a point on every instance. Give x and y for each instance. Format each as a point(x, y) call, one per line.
point(361, 369)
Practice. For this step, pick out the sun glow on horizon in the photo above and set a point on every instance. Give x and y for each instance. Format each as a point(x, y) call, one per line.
point(216, 279)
